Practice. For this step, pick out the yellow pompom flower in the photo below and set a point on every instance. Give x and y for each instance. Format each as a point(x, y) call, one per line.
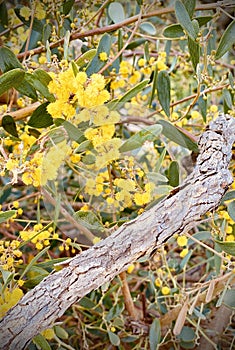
point(165, 290)
point(103, 56)
point(182, 241)
point(130, 268)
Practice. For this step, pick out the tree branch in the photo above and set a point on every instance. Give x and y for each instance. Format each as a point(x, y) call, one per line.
point(200, 192)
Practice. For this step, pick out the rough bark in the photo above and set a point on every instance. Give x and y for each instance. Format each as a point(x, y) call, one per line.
point(200, 192)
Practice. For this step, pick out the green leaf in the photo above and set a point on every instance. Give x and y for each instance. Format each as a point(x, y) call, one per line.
point(33, 261)
point(8, 60)
point(146, 51)
point(96, 64)
point(155, 334)
point(9, 125)
point(115, 311)
point(135, 44)
point(3, 14)
point(227, 247)
point(148, 28)
point(194, 48)
point(6, 215)
point(227, 40)
point(163, 91)
point(61, 332)
point(149, 133)
point(176, 30)
point(173, 174)
point(133, 92)
point(67, 6)
point(190, 6)
point(27, 89)
point(203, 20)
point(160, 160)
point(231, 210)
point(227, 100)
point(40, 84)
point(114, 338)
point(203, 107)
point(184, 19)
point(89, 220)
point(43, 76)
point(185, 259)
point(116, 12)
point(86, 57)
point(41, 342)
point(173, 31)
point(154, 84)
point(174, 134)
point(40, 118)
point(10, 79)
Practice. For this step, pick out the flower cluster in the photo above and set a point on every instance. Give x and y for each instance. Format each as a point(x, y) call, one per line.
point(11, 255)
point(74, 91)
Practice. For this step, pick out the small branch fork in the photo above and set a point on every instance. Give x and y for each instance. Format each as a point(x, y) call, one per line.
point(200, 193)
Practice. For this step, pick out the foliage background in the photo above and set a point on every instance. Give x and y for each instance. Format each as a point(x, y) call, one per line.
point(101, 107)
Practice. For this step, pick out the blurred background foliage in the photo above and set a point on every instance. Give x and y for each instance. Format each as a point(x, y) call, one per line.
point(102, 103)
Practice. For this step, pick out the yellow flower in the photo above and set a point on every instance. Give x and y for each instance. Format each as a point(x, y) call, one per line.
point(103, 56)
point(182, 241)
point(25, 12)
point(130, 268)
point(213, 108)
point(141, 62)
point(184, 252)
point(9, 299)
point(165, 290)
point(158, 282)
point(195, 115)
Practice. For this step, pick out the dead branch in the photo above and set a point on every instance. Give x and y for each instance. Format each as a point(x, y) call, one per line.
point(200, 193)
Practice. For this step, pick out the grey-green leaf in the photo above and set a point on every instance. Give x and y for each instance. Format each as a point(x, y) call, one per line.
point(174, 134)
point(173, 31)
point(114, 338)
point(227, 247)
point(6, 215)
point(184, 19)
point(148, 28)
point(190, 6)
point(149, 133)
point(96, 64)
point(116, 12)
point(163, 91)
point(227, 40)
point(155, 334)
point(231, 210)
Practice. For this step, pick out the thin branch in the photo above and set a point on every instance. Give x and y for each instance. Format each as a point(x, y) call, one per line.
point(116, 26)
